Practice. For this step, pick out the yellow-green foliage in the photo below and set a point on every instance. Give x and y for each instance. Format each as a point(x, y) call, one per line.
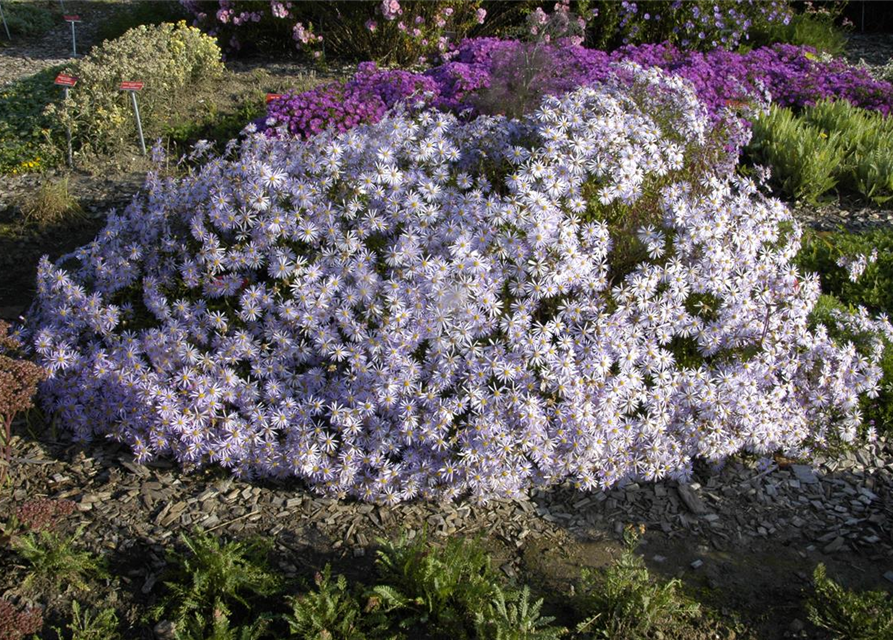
point(832, 144)
point(804, 159)
point(168, 58)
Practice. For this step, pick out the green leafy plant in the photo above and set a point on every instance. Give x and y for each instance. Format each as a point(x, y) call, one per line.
point(332, 611)
point(205, 584)
point(512, 617)
point(219, 627)
point(832, 144)
point(848, 614)
point(90, 625)
point(54, 560)
point(167, 58)
point(30, 17)
point(622, 602)
point(26, 131)
point(804, 159)
point(441, 588)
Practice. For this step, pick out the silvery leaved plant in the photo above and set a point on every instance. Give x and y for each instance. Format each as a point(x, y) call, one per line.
point(426, 307)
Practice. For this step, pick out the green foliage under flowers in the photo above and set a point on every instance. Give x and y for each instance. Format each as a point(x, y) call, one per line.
point(832, 144)
point(88, 624)
point(624, 603)
point(816, 27)
point(30, 17)
point(25, 129)
point(847, 614)
point(435, 588)
point(819, 254)
point(214, 577)
point(53, 559)
point(168, 58)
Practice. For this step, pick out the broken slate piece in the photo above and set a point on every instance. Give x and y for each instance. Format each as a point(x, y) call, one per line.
point(691, 499)
point(804, 473)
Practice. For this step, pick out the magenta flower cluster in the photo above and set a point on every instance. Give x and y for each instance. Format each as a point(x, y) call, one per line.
point(792, 76)
point(365, 98)
point(426, 307)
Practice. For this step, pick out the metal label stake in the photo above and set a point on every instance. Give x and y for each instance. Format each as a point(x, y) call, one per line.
point(5, 26)
point(67, 82)
point(133, 87)
point(74, 46)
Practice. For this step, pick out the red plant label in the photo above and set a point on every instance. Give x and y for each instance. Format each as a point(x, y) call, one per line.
point(72, 18)
point(273, 96)
point(65, 80)
point(131, 86)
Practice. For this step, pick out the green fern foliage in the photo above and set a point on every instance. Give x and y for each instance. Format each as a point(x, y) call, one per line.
point(333, 612)
point(88, 624)
point(54, 560)
point(512, 617)
point(439, 588)
point(213, 577)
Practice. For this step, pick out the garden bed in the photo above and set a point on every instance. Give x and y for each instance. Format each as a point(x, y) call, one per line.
point(744, 538)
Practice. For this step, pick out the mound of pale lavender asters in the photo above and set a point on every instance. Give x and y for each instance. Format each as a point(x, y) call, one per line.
point(429, 308)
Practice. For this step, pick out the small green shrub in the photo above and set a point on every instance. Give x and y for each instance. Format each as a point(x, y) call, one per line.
point(622, 602)
point(866, 138)
point(25, 128)
point(848, 614)
point(30, 17)
point(436, 588)
point(213, 577)
point(804, 159)
point(219, 627)
point(332, 610)
point(512, 617)
point(90, 625)
point(168, 58)
point(54, 560)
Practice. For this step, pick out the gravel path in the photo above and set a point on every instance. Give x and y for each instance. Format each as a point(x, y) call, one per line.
point(26, 56)
point(786, 514)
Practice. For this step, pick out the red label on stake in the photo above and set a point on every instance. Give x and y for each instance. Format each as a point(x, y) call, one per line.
point(131, 86)
point(273, 96)
point(72, 18)
point(65, 80)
